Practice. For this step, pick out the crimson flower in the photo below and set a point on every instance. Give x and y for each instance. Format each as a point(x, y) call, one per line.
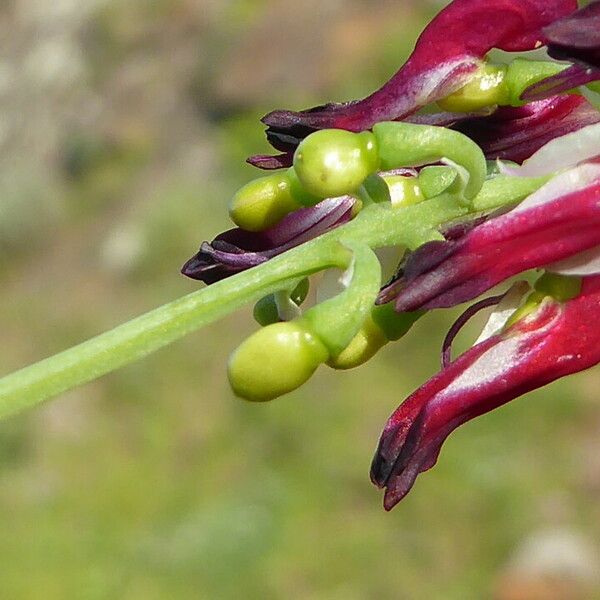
point(556, 340)
point(447, 52)
point(559, 221)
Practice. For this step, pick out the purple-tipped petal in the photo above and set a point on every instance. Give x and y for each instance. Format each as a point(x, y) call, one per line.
point(447, 52)
point(575, 38)
point(554, 341)
point(564, 81)
point(271, 163)
point(237, 250)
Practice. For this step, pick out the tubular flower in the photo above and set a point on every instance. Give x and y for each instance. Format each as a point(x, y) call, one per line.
point(237, 250)
point(447, 54)
point(555, 340)
point(560, 220)
point(575, 38)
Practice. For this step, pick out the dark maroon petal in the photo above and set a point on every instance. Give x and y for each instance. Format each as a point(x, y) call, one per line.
point(517, 133)
point(564, 81)
point(236, 250)
point(555, 341)
point(446, 54)
point(426, 257)
point(576, 37)
point(443, 274)
point(447, 119)
point(457, 230)
point(270, 163)
point(462, 320)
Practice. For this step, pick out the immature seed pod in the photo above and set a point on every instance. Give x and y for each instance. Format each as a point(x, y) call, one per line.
point(334, 162)
point(486, 88)
point(263, 202)
point(366, 343)
point(274, 361)
point(404, 191)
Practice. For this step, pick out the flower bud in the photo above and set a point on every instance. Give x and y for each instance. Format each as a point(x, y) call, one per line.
point(274, 361)
point(333, 162)
point(263, 202)
point(395, 325)
point(265, 311)
point(383, 325)
point(486, 88)
point(404, 191)
point(366, 343)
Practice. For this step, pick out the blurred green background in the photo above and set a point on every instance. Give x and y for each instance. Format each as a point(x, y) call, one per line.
point(124, 125)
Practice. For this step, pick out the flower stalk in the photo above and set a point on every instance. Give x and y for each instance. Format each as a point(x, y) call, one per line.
point(492, 188)
point(377, 226)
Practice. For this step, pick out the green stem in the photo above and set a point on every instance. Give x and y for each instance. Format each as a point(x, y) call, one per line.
point(377, 226)
point(153, 330)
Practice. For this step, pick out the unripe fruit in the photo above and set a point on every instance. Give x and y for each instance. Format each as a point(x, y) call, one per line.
point(404, 191)
point(486, 88)
point(367, 342)
point(334, 162)
point(263, 202)
point(274, 361)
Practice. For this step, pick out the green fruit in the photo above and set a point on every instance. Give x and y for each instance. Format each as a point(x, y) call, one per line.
point(486, 88)
point(334, 162)
point(274, 361)
point(263, 202)
point(404, 191)
point(366, 343)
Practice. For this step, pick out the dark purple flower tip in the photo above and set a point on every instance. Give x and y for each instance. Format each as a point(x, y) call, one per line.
point(448, 51)
point(237, 250)
point(271, 163)
point(554, 341)
point(561, 220)
point(575, 38)
point(566, 80)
